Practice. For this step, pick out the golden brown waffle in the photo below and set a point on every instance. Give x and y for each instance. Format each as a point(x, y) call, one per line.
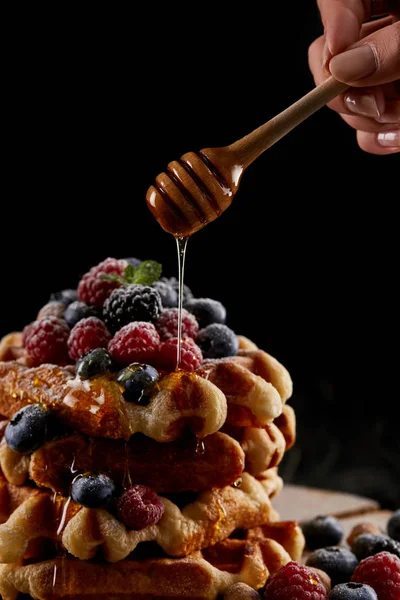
point(210, 518)
point(11, 348)
point(202, 575)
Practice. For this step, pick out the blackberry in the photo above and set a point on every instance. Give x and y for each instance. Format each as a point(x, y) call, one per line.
point(174, 283)
point(129, 303)
point(206, 311)
point(168, 294)
point(369, 544)
point(338, 563)
point(76, 311)
point(393, 525)
point(64, 296)
point(323, 530)
point(217, 340)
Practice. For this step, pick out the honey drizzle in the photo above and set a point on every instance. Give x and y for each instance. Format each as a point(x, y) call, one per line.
point(181, 244)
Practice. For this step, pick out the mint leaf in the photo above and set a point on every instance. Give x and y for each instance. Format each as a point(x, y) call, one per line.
point(112, 277)
point(147, 272)
point(129, 273)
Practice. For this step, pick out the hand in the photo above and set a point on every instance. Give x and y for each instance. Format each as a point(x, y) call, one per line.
point(367, 57)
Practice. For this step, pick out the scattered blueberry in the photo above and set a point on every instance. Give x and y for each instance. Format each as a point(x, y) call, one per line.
point(368, 544)
point(217, 340)
point(174, 283)
point(30, 428)
point(168, 294)
point(137, 380)
point(206, 311)
point(393, 525)
point(135, 262)
point(96, 362)
point(353, 591)
point(338, 563)
point(93, 490)
point(64, 296)
point(77, 310)
point(323, 530)
point(134, 302)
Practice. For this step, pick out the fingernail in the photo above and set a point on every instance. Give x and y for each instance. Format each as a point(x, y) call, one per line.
point(390, 139)
point(354, 64)
point(362, 104)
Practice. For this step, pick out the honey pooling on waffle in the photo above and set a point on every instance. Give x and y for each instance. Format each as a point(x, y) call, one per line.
point(124, 474)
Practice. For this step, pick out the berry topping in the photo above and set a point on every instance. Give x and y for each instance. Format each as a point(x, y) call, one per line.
point(168, 294)
point(140, 507)
point(46, 340)
point(93, 288)
point(206, 311)
point(338, 563)
point(135, 262)
point(137, 381)
point(136, 342)
point(321, 531)
point(130, 303)
point(51, 309)
point(65, 296)
point(295, 581)
point(217, 340)
point(167, 324)
point(191, 356)
point(30, 428)
point(79, 310)
point(88, 334)
point(368, 544)
point(353, 591)
point(96, 362)
point(382, 573)
point(393, 526)
point(93, 490)
point(174, 283)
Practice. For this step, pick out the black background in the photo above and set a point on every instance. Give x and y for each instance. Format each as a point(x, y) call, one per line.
point(304, 259)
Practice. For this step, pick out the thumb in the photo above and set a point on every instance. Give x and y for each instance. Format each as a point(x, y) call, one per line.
point(372, 61)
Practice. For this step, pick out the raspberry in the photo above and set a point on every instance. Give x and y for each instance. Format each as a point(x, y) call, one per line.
point(191, 356)
point(94, 290)
point(140, 507)
point(46, 340)
point(135, 342)
point(133, 302)
point(382, 572)
point(167, 324)
point(87, 335)
point(295, 581)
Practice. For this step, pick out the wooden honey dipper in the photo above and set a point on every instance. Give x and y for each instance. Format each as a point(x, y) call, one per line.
point(198, 187)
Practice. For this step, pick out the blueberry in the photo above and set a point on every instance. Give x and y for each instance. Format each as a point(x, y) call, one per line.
point(30, 428)
point(96, 362)
point(206, 311)
point(353, 591)
point(137, 380)
point(174, 283)
point(217, 340)
point(368, 544)
point(321, 531)
point(93, 490)
point(65, 296)
point(135, 262)
point(393, 525)
point(168, 294)
point(76, 311)
point(338, 563)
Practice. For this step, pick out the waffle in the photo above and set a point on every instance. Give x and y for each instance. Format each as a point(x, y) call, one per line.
point(201, 575)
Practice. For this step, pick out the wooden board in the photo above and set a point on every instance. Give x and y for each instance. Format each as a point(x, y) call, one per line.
point(298, 503)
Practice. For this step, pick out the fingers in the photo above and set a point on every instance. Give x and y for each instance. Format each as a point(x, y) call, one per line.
point(342, 20)
point(379, 143)
point(372, 61)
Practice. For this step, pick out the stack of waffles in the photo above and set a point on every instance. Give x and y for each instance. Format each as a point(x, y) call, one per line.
point(207, 442)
